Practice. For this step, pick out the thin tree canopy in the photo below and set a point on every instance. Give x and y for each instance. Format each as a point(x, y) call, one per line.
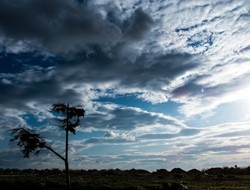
point(71, 116)
point(31, 142)
point(28, 141)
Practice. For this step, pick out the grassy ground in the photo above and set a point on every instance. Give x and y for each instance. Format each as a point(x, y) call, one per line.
point(126, 180)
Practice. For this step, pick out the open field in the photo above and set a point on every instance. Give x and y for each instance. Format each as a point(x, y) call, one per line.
point(177, 179)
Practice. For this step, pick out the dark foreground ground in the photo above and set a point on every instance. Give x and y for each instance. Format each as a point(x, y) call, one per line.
point(177, 179)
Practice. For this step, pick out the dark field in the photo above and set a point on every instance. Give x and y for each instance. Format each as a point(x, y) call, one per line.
point(177, 179)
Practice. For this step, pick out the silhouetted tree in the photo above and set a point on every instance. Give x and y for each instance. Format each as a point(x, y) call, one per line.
point(30, 142)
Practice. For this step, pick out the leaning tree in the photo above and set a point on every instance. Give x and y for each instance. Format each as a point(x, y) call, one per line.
point(31, 142)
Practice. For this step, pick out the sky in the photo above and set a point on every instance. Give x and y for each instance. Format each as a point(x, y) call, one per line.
point(164, 84)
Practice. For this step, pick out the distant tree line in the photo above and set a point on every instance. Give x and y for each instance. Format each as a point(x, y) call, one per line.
point(55, 171)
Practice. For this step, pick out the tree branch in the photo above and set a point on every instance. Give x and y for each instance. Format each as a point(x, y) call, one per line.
point(49, 148)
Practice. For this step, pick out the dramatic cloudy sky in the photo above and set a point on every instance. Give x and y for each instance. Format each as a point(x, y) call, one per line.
point(164, 84)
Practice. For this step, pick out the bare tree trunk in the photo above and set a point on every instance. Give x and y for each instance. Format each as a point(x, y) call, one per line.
point(67, 173)
point(50, 149)
point(66, 150)
point(66, 159)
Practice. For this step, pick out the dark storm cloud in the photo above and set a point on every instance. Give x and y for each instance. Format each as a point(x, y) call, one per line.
point(50, 85)
point(34, 86)
point(147, 72)
point(59, 26)
point(139, 24)
point(157, 71)
point(104, 32)
point(67, 26)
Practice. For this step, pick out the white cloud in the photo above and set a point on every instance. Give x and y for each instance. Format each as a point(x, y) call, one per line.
point(114, 117)
point(154, 98)
point(111, 137)
point(156, 72)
